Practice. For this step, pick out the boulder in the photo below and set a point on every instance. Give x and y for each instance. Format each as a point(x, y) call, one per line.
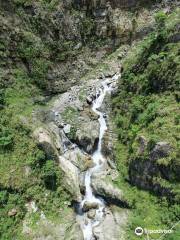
point(89, 100)
point(108, 191)
point(90, 205)
point(79, 159)
point(47, 229)
point(71, 178)
point(161, 150)
point(87, 135)
point(12, 212)
point(67, 128)
point(44, 138)
point(91, 213)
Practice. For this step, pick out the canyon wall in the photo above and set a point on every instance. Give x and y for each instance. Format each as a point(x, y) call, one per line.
point(91, 4)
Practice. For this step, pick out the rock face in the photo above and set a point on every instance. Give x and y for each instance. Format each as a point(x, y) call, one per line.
point(89, 4)
point(161, 150)
point(144, 173)
point(75, 233)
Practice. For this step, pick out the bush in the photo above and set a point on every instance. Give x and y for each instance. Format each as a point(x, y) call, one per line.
point(160, 18)
point(6, 137)
point(49, 175)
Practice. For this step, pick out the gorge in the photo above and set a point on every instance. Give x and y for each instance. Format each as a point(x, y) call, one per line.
point(89, 119)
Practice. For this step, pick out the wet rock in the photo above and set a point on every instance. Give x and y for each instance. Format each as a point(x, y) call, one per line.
point(90, 205)
point(89, 100)
point(88, 163)
point(12, 212)
point(161, 150)
point(82, 179)
point(91, 213)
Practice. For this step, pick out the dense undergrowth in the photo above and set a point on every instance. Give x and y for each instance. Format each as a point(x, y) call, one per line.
point(26, 173)
point(146, 110)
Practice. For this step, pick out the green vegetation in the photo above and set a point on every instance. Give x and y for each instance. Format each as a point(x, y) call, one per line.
point(146, 110)
point(25, 172)
point(34, 38)
point(37, 37)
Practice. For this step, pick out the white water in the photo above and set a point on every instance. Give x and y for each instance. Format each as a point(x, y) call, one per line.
point(99, 160)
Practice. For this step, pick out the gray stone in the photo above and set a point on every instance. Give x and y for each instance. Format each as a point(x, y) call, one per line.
point(113, 225)
point(89, 100)
point(90, 205)
point(161, 150)
point(91, 213)
point(71, 178)
point(67, 128)
point(106, 189)
point(12, 212)
point(87, 135)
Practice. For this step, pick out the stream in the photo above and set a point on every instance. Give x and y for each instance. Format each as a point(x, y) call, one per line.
point(99, 161)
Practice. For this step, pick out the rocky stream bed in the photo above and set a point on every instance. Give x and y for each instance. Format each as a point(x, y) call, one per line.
point(77, 133)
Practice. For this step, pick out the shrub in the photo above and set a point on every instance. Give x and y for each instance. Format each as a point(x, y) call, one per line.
point(49, 175)
point(160, 18)
point(6, 137)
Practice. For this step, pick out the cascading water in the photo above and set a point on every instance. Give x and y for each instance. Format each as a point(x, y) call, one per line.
point(99, 160)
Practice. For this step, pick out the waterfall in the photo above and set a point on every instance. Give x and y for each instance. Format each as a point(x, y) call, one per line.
point(99, 160)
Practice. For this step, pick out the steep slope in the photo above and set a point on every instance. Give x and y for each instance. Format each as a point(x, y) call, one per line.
point(147, 119)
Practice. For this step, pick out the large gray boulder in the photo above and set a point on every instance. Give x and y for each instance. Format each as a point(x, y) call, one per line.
point(87, 135)
point(79, 159)
point(108, 191)
point(49, 140)
point(71, 178)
